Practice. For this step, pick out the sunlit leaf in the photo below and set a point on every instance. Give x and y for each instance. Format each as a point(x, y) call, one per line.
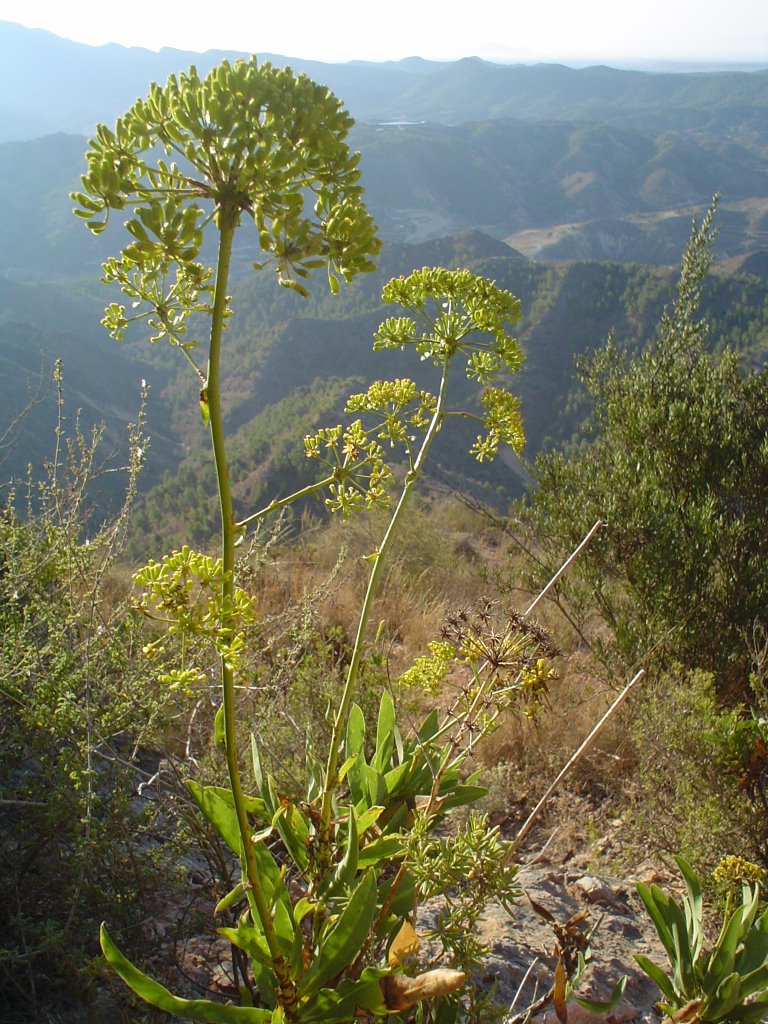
point(405, 944)
point(155, 994)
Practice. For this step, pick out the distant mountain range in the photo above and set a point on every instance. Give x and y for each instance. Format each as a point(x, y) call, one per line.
point(556, 182)
point(49, 84)
point(563, 163)
point(290, 362)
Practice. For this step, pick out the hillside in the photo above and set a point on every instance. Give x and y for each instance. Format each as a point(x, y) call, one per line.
point(566, 183)
point(123, 687)
point(285, 358)
point(41, 323)
point(563, 163)
point(555, 191)
point(589, 172)
point(471, 89)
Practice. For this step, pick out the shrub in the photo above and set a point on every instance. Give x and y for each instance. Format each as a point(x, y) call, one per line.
point(678, 474)
point(78, 710)
point(689, 794)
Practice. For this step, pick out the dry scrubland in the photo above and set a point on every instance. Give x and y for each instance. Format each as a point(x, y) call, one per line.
point(319, 847)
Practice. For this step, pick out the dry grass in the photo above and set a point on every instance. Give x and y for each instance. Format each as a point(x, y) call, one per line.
point(447, 558)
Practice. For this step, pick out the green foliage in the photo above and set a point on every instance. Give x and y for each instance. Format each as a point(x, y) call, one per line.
point(78, 708)
point(689, 794)
point(678, 475)
point(295, 682)
point(722, 985)
point(184, 592)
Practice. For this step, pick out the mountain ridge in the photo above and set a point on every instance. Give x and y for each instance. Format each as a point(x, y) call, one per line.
point(60, 85)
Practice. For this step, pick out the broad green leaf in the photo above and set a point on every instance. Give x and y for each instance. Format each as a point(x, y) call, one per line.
point(218, 812)
point(754, 953)
point(270, 875)
point(232, 897)
point(302, 908)
point(344, 939)
point(755, 1011)
point(155, 994)
point(684, 961)
point(391, 824)
point(345, 871)
point(657, 975)
point(294, 831)
point(693, 906)
point(257, 772)
point(346, 766)
point(368, 817)
point(250, 938)
point(315, 773)
point(461, 795)
point(254, 805)
point(377, 787)
point(723, 957)
point(725, 999)
point(385, 733)
point(348, 998)
point(289, 821)
point(396, 777)
point(755, 980)
point(650, 896)
point(381, 849)
point(354, 747)
point(399, 748)
point(288, 933)
point(402, 902)
point(429, 727)
point(355, 731)
point(218, 728)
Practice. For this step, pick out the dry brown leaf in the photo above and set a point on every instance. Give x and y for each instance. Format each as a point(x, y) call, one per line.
point(401, 992)
point(406, 943)
point(558, 993)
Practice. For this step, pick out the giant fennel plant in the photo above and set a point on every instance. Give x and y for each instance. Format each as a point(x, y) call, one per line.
point(329, 883)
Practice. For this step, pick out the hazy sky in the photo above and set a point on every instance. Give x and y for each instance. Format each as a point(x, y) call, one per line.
point(337, 30)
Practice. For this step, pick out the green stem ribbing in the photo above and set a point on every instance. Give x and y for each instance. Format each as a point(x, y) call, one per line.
point(340, 721)
point(256, 898)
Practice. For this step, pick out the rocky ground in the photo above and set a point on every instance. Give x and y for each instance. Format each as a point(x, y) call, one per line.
point(522, 958)
point(521, 961)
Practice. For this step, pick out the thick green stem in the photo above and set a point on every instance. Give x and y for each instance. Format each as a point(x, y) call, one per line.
point(256, 898)
point(342, 713)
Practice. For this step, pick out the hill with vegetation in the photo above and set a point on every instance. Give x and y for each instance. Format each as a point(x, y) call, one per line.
point(288, 357)
point(555, 191)
point(116, 694)
point(593, 173)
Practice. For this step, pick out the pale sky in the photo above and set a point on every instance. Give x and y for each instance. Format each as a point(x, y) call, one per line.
point(340, 30)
